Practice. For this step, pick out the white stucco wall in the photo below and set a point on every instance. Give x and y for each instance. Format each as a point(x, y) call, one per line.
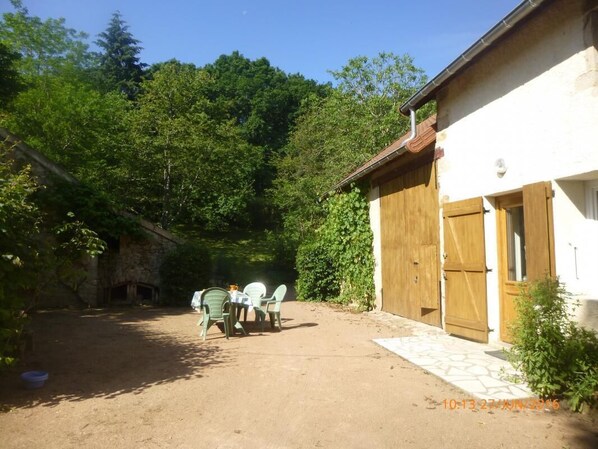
point(374, 199)
point(576, 248)
point(532, 102)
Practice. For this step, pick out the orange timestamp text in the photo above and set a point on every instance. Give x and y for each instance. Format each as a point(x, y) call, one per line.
point(509, 405)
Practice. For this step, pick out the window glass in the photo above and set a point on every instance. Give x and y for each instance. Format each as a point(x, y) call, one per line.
point(516, 244)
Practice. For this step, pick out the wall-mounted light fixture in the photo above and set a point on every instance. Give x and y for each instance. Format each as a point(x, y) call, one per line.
point(501, 167)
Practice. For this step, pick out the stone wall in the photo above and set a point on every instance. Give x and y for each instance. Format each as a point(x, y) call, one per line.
point(128, 264)
point(135, 261)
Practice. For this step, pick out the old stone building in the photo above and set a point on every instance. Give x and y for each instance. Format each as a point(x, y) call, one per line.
point(126, 273)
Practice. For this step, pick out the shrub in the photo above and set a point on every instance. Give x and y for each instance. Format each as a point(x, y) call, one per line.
point(20, 220)
point(318, 279)
point(556, 356)
point(37, 248)
point(184, 270)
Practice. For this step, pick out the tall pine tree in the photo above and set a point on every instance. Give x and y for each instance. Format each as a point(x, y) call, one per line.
point(120, 67)
point(10, 80)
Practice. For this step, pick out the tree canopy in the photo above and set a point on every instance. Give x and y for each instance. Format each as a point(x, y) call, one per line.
point(10, 80)
point(336, 134)
point(265, 103)
point(45, 46)
point(236, 143)
point(187, 164)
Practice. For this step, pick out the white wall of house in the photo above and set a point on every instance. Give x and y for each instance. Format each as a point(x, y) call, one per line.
point(531, 102)
point(374, 199)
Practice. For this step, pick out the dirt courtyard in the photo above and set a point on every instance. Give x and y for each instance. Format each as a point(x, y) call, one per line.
point(142, 378)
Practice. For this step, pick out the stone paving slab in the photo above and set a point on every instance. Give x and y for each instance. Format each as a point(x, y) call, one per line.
point(462, 363)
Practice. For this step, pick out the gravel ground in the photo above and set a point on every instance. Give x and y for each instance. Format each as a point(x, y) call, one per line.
point(142, 378)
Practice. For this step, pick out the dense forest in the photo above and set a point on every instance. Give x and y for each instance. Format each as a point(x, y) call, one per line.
point(236, 144)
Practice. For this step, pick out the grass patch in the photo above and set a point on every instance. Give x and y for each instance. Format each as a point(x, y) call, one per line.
point(242, 257)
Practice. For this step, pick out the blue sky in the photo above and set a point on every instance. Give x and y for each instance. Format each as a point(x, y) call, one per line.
point(309, 37)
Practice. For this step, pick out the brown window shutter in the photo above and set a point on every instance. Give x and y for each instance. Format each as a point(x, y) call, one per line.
point(539, 230)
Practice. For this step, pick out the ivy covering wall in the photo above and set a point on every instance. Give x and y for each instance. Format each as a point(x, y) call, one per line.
point(337, 264)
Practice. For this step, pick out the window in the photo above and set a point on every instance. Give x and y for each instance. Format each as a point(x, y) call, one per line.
point(516, 244)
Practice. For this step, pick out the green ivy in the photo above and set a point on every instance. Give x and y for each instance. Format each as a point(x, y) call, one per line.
point(341, 254)
point(557, 357)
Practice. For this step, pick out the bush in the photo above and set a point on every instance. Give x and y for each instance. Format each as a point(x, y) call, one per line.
point(20, 222)
point(556, 356)
point(184, 270)
point(318, 279)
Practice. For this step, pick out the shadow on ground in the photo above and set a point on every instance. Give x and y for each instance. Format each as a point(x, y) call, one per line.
point(106, 353)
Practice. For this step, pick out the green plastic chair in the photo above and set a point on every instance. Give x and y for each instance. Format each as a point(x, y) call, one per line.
point(255, 290)
point(215, 302)
point(260, 313)
point(273, 305)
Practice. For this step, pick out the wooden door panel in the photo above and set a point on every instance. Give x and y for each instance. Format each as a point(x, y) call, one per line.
point(427, 277)
point(508, 289)
point(536, 200)
point(390, 227)
point(409, 238)
point(508, 312)
point(465, 269)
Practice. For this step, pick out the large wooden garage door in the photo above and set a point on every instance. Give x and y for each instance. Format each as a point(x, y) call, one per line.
point(465, 269)
point(409, 235)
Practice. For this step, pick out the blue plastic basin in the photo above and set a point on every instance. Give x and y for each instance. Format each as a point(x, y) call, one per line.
point(34, 379)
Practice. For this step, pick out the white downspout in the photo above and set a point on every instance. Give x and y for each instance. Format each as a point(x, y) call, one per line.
point(413, 128)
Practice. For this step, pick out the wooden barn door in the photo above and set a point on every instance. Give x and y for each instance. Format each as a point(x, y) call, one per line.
point(409, 236)
point(465, 269)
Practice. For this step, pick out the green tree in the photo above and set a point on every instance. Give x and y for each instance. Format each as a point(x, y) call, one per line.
point(19, 228)
point(338, 133)
point(383, 81)
point(119, 64)
point(59, 111)
point(45, 46)
point(10, 80)
point(37, 247)
point(264, 101)
point(74, 125)
point(188, 164)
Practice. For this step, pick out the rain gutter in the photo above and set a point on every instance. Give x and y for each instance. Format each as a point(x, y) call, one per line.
point(401, 149)
point(424, 95)
point(395, 154)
